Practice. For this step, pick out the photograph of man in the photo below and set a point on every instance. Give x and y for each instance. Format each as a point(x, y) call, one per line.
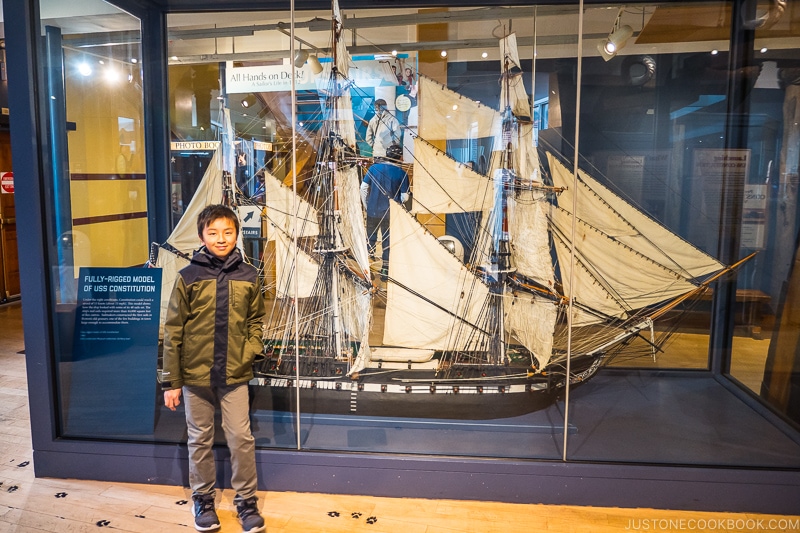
point(383, 129)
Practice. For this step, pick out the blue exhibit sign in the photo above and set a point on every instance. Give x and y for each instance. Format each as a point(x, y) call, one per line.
point(112, 376)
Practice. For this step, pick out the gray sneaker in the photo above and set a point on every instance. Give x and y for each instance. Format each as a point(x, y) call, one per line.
point(205, 517)
point(251, 520)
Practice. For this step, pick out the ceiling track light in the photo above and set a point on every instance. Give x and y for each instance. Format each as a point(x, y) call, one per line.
point(616, 40)
point(249, 101)
point(300, 58)
point(313, 62)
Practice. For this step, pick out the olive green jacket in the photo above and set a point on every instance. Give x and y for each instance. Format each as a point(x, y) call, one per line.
point(214, 323)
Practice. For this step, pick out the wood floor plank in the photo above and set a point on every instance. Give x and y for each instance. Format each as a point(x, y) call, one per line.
point(52, 510)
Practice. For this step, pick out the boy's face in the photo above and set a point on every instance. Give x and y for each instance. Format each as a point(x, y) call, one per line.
point(219, 236)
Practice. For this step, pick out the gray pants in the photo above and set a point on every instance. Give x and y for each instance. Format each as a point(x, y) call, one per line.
point(233, 401)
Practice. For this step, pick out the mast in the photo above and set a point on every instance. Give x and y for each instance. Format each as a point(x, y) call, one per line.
point(329, 242)
point(318, 316)
point(502, 264)
point(337, 311)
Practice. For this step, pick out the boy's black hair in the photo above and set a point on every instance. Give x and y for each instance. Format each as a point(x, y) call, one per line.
point(215, 212)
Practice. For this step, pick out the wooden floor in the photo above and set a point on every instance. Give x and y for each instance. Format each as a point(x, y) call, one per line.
point(28, 504)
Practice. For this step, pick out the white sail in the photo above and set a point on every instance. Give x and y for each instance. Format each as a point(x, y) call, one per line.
point(280, 200)
point(340, 120)
point(515, 96)
point(354, 232)
point(528, 225)
point(443, 185)
point(343, 61)
point(610, 271)
point(305, 269)
point(524, 157)
point(184, 237)
point(527, 158)
point(452, 116)
point(169, 263)
point(585, 290)
point(347, 124)
point(357, 315)
point(228, 144)
point(616, 218)
point(531, 320)
point(509, 51)
point(421, 266)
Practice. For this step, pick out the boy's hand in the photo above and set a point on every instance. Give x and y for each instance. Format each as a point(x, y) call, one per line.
point(172, 398)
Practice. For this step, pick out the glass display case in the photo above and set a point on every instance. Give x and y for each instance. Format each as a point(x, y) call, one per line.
point(593, 262)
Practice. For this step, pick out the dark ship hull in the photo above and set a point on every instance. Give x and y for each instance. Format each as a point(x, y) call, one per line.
point(469, 393)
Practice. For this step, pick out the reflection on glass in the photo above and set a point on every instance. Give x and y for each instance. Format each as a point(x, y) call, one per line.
point(360, 330)
point(99, 211)
point(469, 293)
point(453, 324)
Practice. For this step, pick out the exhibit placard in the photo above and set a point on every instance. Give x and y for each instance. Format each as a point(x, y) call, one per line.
point(115, 351)
point(754, 216)
point(712, 169)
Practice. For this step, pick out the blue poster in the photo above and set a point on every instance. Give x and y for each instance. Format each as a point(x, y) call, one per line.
point(112, 375)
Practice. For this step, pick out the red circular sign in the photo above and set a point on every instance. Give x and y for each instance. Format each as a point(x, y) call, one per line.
point(7, 181)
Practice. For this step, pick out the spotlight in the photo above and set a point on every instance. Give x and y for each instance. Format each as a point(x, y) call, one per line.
point(313, 62)
point(84, 68)
point(111, 74)
point(300, 58)
point(249, 101)
point(443, 53)
point(615, 41)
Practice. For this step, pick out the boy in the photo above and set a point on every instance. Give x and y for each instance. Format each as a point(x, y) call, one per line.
point(211, 336)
